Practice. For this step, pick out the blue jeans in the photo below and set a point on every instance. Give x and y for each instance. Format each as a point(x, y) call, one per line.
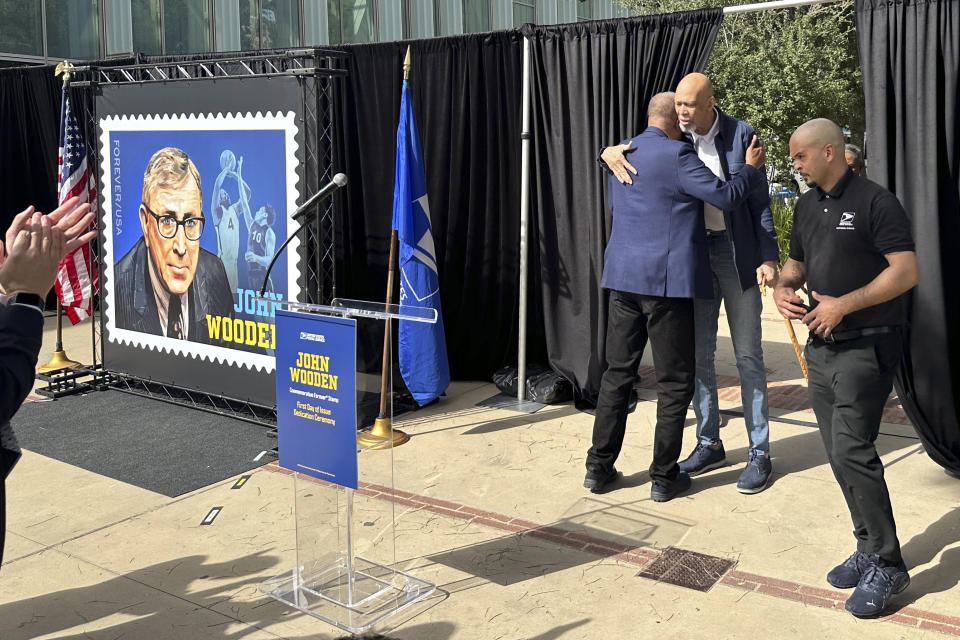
point(743, 315)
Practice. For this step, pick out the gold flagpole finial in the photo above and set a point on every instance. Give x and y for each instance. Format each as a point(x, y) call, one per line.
point(65, 68)
point(406, 65)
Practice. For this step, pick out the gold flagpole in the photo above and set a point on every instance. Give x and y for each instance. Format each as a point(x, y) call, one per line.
point(382, 436)
point(59, 359)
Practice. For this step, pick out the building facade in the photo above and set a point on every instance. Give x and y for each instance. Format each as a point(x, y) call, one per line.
point(44, 31)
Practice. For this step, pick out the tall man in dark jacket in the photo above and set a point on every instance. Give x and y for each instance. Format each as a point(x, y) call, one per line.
point(28, 266)
point(742, 245)
point(655, 264)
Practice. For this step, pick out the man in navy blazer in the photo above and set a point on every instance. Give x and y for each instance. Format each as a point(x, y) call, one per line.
point(743, 252)
point(655, 264)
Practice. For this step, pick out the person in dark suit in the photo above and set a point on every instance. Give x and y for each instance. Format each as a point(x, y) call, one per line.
point(655, 264)
point(29, 259)
point(743, 250)
point(166, 284)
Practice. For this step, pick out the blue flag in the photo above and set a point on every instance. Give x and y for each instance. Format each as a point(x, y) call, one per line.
point(422, 348)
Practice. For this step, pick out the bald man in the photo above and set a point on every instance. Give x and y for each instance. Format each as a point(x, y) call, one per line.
point(743, 252)
point(851, 244)
point(654, 265)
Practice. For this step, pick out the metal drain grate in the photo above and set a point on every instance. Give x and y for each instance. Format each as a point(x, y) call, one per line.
point(688, 569)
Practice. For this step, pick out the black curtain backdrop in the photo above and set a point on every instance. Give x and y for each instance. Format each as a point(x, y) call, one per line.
point(910, 56)
point(29, 125)
point(591, 85)
point(466, 96)
point(30, 135)
point(592, 82)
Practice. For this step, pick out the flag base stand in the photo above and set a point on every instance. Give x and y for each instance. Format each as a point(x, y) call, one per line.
point(381, 436)
point(66, 381)
point(58, 360)
point(511, 403)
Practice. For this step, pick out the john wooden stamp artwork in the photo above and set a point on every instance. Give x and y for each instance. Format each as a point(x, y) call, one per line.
point(194, 208)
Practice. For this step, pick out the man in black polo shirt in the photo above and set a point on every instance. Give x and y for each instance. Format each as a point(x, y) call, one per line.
point(851, 244)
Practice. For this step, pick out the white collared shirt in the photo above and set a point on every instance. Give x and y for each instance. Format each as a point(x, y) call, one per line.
point(707, 150)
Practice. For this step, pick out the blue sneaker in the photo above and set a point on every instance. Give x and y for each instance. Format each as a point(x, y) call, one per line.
point(847, 575)
point(756, 475)
point(704, 458)
point(663, 493)
point(597, 478)
point(876, 586)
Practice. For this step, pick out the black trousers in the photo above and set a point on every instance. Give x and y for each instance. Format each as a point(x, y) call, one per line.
point(669, 324)
point(849, 385)
point(3, 514)
point(8, 460)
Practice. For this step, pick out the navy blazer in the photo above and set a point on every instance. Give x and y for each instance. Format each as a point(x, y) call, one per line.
point(658, 244)
point(21, 333)
point(136, 304)
point(749, 225)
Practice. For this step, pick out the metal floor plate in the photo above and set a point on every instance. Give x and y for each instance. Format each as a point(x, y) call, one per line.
point(688, 569)
point(503, 401)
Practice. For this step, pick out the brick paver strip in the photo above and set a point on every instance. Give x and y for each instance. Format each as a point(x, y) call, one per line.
point(640, 556)
point(780, 395)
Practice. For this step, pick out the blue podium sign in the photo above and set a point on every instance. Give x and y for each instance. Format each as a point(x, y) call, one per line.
point(316, 396)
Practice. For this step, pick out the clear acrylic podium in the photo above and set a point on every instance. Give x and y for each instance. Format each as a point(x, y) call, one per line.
point(345, 539)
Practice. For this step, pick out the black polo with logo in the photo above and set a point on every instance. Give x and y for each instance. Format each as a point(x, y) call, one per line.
point(842, 236)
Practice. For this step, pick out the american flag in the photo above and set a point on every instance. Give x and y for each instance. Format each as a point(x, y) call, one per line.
point(77, 277)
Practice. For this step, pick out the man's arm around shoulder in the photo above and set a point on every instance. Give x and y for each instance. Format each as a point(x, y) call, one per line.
point(698, 181)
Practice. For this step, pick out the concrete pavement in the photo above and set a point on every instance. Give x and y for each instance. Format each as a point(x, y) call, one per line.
point(490, 508)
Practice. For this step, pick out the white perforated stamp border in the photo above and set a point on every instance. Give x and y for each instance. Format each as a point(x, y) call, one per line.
point(285, 121)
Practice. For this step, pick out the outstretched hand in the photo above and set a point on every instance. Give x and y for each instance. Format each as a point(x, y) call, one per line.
point(235, 174)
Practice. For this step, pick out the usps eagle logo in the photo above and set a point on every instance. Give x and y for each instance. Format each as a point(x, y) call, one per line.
point(846, 220)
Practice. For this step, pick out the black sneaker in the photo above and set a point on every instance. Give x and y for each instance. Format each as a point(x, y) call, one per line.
point(597, 478)
point(704, 458)
point(756, 475)
point(661, 493)
point(876, 586)
point(847, 575)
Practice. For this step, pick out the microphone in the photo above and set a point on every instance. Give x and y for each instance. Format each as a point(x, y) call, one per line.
point(338, 181)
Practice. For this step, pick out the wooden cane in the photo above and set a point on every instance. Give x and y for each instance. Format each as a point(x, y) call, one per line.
point(793, 335)
point(797, 349)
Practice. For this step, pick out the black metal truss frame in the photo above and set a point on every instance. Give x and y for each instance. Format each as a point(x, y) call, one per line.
point(266, 416)
point(318, 70)
point(305, 62)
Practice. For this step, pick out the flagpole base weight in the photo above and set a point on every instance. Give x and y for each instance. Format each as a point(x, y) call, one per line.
point(58, 360)
point(381, 436)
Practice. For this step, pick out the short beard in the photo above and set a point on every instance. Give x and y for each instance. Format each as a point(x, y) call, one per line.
point(689, 127)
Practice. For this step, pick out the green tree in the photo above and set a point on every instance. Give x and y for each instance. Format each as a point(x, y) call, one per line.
point(778, 68)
